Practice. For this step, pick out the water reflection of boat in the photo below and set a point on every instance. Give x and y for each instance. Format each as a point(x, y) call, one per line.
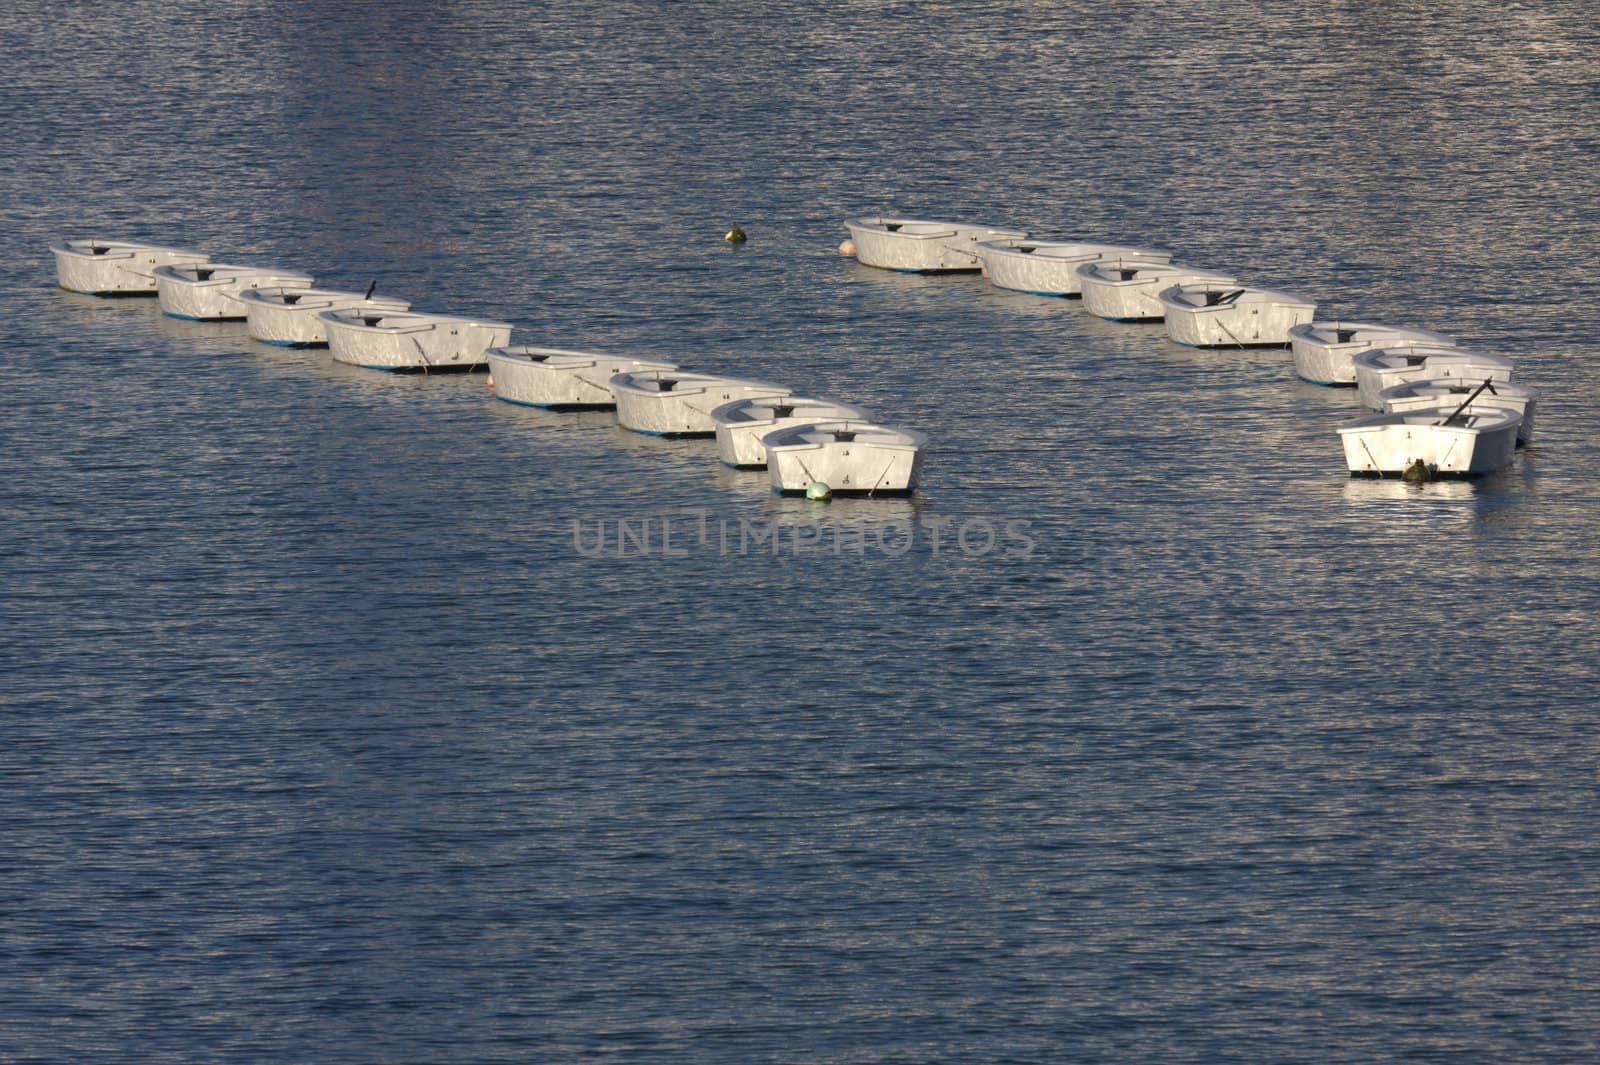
point(289, 316)
point(1323, 350)
point(1381, 368)
point(849, 457)
point(1046, 268)
point(1211, 314)
point(663, 403)
point(1464, 440)
point(1444, 391)
point(114, 267)
point(919, 246)
point(408, 342)
point(1120, 290)
point(742, 424)
point(557, 379)
point(210, 291)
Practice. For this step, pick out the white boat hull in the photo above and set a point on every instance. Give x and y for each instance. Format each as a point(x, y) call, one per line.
point(120, 269)
point(1372, 378)
point(1388, 444)
point(1421, 395)
point(1051, 269)
point(921, 247)
point(299, 324)
point(740, 443)
point(1136, 299)
point(847, 467)
point(571, 381)
point(686, 409)
point(202, 298)
point(1324, 353)
point(427, 345)
point(1241, 325)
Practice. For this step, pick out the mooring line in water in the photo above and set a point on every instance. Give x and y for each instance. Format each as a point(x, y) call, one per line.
point(881, 476)
point(962, 251)
point(425, 363)
point(1372, 458)
point(1231, 337)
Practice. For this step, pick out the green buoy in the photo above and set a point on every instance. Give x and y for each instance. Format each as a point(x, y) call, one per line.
point(819, 490)
point(1417, 472)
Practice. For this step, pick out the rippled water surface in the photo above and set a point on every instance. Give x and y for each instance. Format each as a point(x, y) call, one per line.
point(1141, 734)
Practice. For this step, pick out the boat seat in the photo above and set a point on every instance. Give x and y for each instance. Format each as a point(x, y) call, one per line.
point(1344, 335)
point(893, 227)
point(783, 410)
point(203, 275)
point(291, 299)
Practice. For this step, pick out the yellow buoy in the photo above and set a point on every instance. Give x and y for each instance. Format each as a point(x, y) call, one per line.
point(735, 236)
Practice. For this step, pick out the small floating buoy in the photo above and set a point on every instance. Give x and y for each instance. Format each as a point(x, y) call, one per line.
point(1417, 472)
point(735, 236)
point(819, 491)
point(848, 249)
point(491, 382)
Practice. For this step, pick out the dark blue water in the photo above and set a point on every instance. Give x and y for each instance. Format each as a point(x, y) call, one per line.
point(1142, 734)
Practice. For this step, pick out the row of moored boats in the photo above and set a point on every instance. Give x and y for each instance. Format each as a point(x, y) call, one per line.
point(1446, 410)
point(808, 445)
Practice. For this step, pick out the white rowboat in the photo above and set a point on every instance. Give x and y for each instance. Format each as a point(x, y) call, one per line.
point(1323, 351)
point(662, 403)
point(1122, 290)
point(1051, 269)
point(1443, 391)
point(114, 267)
point(1381, 368)
point(409, 342)
point(205, 292)
point(851, 458)
point(1211, 314)
point(921, 247)
point(289, 316)
point(742, 424)
point(557, 379)
point(1450, 441)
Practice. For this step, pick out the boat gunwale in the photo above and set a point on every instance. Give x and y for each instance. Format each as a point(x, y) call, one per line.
point(911, 439)
point(337, 316)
